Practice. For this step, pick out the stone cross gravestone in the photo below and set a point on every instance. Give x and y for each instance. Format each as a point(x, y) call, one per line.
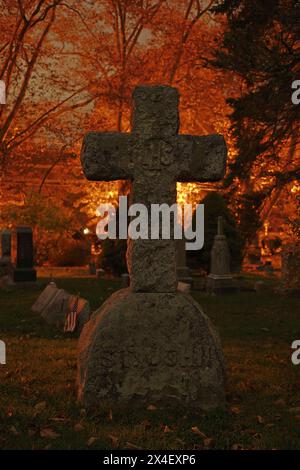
point(220, 280)
point(149, 343)
point(24, 271)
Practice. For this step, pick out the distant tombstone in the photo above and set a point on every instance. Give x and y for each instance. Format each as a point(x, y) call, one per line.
point(92, 268)
point(125, 280)
point(100, 273)
point(220, 280)
point(290, 269)
point(24, 271)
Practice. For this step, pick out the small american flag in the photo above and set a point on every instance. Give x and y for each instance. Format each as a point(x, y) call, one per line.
point(71, 320)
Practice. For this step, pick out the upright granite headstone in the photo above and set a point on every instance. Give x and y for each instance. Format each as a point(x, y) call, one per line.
point(220, 280)
point(24, 271)
point(150, 343)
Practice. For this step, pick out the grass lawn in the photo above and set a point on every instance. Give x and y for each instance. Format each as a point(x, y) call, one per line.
point(38, 408)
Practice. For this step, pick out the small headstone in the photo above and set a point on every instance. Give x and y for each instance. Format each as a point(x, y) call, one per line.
point(24, 271)
point(45, 298)
point(220, 280)
point(92, 268)
point(54, 304)
point(100, 273)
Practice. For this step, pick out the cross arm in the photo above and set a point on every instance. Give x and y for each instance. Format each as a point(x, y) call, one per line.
point(202, 158)
point(105, 156)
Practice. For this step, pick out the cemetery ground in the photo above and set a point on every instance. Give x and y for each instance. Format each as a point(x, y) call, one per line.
point(38, 407)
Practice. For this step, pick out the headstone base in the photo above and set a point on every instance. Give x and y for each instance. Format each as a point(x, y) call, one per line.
point(220, 284)
point(24, 275)
point(150, 348)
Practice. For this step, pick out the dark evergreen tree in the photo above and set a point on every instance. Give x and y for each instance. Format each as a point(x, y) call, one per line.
point(262, 45)
point(214, 206)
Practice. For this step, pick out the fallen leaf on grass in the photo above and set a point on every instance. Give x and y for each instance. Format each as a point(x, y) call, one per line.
point(151, 408)
point(91, 441)
point(49, 433)
point(114, 440)
point(260, 419)
point(180, 441)
point(129, 445)
point(146, 424)
point(199, 433)
point(32, 432)
point(13, 431)
point(197, 447)
point(58, 419)
point(78, 427)
point(110, 415)
point(209, 443)
point(280, 402)
point(237, 447)
point(235, 410)
point(39, 407)
point(166, 429)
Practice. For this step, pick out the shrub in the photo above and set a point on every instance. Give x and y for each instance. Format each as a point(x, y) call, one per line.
point(214, 206)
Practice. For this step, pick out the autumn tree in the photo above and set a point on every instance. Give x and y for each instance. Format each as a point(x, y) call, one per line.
point(36, 88)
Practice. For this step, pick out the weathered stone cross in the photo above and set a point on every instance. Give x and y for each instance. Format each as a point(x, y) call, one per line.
point(154, 157)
